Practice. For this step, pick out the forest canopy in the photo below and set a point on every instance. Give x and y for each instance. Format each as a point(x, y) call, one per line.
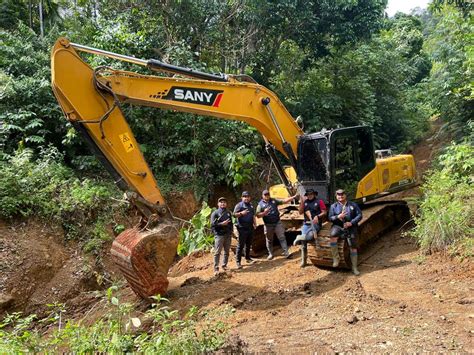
point(336, 64)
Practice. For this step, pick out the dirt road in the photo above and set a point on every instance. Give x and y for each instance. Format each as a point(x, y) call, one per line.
point(399, 303)
point(402, 302)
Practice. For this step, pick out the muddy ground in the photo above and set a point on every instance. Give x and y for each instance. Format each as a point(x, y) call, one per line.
point(402, 302)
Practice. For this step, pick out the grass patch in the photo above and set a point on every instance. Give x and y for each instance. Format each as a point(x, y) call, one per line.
point(118, 331)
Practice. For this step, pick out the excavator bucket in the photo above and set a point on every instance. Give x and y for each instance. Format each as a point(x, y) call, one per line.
point(144, 257)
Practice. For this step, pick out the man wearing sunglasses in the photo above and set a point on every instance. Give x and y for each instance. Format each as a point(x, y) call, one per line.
point(345, 216)
point(268, 210)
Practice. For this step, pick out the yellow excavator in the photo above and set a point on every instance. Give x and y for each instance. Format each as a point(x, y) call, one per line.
point(92, 99)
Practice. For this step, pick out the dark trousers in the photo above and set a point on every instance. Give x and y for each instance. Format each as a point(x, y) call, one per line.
point(350, 234)
point(245, 241)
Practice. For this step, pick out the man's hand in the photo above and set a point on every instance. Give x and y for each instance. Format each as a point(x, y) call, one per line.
point(315, 220)
point(267, 210)
point(342, 215)
point(347, 225)
point(244, 212)
point(226, 222)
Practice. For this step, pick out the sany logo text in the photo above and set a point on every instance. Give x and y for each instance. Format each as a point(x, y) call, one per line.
point(196, 96)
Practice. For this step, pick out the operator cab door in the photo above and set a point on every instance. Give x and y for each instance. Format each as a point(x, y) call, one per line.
point(312, 164)
point(352, 157)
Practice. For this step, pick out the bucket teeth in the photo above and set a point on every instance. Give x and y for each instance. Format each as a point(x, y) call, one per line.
point(145, 257)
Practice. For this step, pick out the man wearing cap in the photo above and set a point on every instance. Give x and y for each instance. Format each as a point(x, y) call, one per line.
point(246, 222)
point(345, 216)
point(313, 210)
point(268, 210)
point(221, 225)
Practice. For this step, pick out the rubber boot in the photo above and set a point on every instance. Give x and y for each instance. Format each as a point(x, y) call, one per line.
point(304, 255)
point(269, 245)
point(354, 258)
point(335, 255)
point(284, 246)
point(299, 239)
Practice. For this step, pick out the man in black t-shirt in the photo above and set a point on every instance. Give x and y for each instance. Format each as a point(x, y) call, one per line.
point(221, 225)
point(245, 214)
point(313, 210)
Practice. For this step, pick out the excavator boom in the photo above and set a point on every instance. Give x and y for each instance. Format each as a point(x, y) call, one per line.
point(91, 100)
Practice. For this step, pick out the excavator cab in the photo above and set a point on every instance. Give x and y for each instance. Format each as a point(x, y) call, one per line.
point(334, 159)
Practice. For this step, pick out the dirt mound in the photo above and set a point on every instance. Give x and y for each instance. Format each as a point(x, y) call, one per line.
point(189, 263)
point(37, 269)
point(183, 204)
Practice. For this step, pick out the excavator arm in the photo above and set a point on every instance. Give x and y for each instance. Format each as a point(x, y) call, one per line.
point(91, 100)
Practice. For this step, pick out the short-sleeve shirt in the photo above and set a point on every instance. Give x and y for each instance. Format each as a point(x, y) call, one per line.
point(247, 220)
point(274, 216)
point(315, 207)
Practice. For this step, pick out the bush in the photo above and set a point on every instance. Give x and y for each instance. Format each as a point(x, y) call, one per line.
point(115, 332)
point(446, 220)
point(46, 188)
point(197, 236)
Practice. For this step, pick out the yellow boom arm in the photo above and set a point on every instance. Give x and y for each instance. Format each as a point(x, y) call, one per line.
point(90, 100)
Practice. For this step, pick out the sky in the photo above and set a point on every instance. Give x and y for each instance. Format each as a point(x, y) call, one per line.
point(404, 6)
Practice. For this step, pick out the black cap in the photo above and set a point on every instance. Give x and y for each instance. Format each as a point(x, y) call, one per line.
point(222, 199)
point(265, 192)
point(245, 194)
point(310, 191)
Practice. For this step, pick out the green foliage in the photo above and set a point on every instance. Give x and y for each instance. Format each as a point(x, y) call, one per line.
point(369, 84)
point(118, 331)
point(29, 113)
point(240, 164)
point(46, 188)
point(197, 236)
point(450, 82)
point(446, 220)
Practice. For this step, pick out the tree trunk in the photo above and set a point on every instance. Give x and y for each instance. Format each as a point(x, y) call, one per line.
point(41, 18)
point(30, 13)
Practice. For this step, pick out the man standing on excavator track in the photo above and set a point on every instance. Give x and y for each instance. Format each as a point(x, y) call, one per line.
point(221, 225)
point(245, 214)
point(268, 210)
point(345, 216)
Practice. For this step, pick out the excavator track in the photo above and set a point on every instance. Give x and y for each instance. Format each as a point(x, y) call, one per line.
point(144, 258)
point(377, 218)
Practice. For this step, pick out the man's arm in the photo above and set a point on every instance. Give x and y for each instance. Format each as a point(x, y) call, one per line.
point(323, 208)
point(301, 205)
point(358, 216)
point(332, 213)
point(214, 219)
point(237, 210)
point(260, 213)
point(291, 198)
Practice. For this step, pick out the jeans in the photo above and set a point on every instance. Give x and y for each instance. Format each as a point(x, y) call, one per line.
point(307, 231)
point(221, 242)
point(245, 241)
